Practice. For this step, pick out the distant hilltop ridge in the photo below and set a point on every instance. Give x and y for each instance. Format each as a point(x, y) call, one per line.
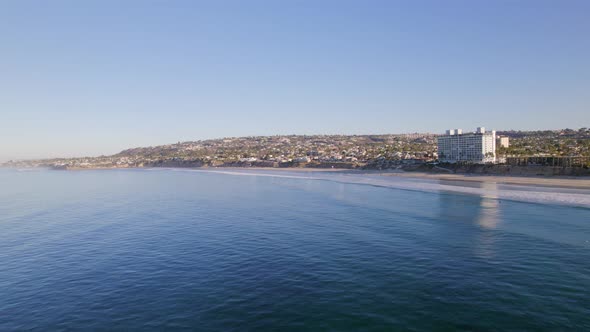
point(330, 151)
point(279, 139)
point(348, 151)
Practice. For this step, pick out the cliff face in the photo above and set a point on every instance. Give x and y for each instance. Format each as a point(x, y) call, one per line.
point(259, 163)
point(176, 163)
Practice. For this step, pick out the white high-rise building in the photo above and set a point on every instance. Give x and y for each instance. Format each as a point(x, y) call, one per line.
point(478, 147)
point(503, 141)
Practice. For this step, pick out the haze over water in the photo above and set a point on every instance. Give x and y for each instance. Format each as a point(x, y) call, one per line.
point(165, 249)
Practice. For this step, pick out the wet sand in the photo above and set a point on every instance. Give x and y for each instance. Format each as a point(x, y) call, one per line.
point(554, 181)
point(566, 182)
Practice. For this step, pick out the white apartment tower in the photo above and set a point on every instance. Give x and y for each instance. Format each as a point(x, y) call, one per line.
point(503, 141)
point(478, 147)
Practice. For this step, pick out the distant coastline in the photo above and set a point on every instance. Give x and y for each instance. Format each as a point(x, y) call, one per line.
point(544, 154)
point(433, 169)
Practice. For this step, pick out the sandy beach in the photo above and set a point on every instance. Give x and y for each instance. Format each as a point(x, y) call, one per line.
point(555, 181)
point(568, 182)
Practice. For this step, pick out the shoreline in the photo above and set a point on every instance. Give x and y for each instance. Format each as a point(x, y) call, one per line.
point(553, 181)
point(549, 181)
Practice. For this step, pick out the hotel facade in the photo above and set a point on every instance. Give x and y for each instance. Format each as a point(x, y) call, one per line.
point(478, 147)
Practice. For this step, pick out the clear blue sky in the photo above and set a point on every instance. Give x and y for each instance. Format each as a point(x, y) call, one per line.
point(95, 77)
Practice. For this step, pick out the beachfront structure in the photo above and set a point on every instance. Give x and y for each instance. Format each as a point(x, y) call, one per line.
point(478, 147)
point(503, 141)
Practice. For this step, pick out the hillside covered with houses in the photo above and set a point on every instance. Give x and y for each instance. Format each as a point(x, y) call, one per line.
point(323, 151)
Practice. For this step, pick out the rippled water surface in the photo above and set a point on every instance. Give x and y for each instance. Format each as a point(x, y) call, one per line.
point(165, 250)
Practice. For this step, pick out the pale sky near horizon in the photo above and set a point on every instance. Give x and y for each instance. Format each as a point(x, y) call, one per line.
point(95, 77)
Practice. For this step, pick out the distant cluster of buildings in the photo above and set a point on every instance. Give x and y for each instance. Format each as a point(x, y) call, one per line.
point(560, 148)
point(474, 147)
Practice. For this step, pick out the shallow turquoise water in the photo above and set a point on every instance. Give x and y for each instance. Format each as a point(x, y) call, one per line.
point(165, 249)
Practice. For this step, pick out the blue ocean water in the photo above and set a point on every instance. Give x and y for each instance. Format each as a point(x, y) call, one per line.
point(196, 250)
